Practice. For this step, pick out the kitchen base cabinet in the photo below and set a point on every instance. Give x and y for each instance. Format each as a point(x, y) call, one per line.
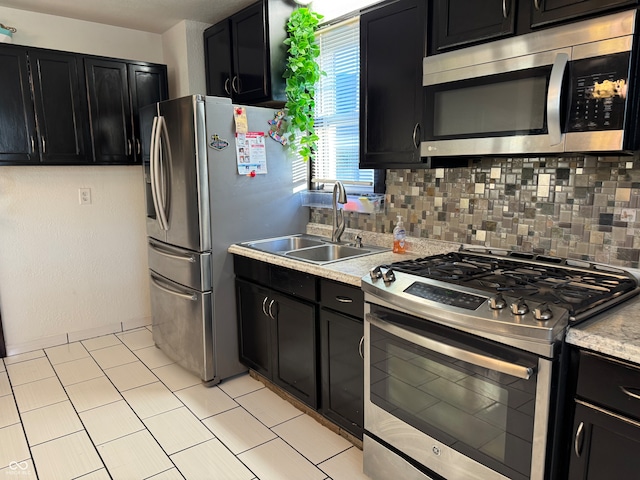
point(342, 370)
point(606, 425)
point(278, 328)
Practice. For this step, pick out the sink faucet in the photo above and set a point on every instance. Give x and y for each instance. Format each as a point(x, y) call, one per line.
point(339, 196)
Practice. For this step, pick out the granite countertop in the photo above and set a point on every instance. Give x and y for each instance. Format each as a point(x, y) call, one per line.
point(615, 332)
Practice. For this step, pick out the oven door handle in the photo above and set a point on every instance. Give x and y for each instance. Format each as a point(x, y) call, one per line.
point(491, 363)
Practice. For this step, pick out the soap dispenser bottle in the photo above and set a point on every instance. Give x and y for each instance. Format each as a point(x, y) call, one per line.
point(399, 236)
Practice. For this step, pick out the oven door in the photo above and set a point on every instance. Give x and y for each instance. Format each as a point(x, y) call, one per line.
point(503, 107)
point(459, 405)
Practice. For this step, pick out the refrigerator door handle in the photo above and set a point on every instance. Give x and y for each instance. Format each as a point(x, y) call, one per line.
point(187, 257)
point(152, 170)
point(160, 172)
point(187, 296)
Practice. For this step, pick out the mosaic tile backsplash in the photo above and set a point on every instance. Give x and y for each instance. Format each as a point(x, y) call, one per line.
point(584, 208)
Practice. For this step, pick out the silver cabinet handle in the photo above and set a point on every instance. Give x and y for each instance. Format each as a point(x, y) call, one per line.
point(44, 145)
point(344, 299)
point(264, 306)
point(480, 360)
point(536, 4)
point(270, 309)
point(138, 148)
point(628, 391)
point(577, 443)
point(226, 86)
point(505, 8)
point(553, 98)
point(33, 144)
point(416, 135)
point(235, 84)
point(129, 149)
point(187, 296)
point(186, 257)
point(360, 345)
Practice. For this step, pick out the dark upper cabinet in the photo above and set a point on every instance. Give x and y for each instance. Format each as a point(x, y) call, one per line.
point(17, 118)
point(217, 50)
point(245, 56)
point(147, 85)
point(116, 90)
point(43, 118)
point(392, 45)
point(548, 11)
point(460, 22)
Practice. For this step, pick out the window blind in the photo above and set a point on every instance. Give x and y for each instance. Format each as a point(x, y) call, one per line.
point(338, 108)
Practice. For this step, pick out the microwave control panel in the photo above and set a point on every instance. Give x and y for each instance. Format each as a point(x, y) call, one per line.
point(598, 93)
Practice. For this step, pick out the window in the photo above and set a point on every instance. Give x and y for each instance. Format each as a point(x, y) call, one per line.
point(337, 115)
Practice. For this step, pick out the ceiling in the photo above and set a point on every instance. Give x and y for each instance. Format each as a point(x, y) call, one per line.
point(156, 16)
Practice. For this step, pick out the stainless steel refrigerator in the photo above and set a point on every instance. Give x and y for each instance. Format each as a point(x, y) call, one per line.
point(197, 205)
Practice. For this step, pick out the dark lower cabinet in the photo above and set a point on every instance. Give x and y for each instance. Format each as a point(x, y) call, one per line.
point(278, 329)
point(605, 445)
point(605, 438)
point(342, 370)
point(304, 334)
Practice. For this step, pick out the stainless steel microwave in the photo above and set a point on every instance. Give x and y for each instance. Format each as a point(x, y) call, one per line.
point(567, 89)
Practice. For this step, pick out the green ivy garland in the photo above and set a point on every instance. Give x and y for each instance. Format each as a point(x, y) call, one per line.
point(301, 74)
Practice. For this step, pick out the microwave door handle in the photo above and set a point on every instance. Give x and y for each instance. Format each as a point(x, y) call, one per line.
point(554, 97)
point(491, 363)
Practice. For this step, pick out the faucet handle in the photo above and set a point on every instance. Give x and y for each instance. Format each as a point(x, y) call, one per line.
point(358, 241)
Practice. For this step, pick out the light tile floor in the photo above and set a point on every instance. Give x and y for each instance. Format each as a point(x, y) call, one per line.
point(117, 407)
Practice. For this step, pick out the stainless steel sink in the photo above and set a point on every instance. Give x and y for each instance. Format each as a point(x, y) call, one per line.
point(311, 248)
point(283, 244)
point(328, 253)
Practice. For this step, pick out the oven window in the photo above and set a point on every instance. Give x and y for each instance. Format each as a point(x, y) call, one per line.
point(483, 414)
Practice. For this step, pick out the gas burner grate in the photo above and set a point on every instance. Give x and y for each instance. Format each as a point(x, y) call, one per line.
point(545, 279)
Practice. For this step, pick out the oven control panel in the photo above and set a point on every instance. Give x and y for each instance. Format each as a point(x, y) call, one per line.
point(445, 296)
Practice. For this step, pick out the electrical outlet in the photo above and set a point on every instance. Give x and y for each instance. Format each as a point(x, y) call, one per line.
point(85, 196)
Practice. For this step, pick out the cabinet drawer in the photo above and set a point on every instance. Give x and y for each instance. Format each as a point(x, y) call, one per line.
point(342, 297)
point(251, 269)
point(293, 282)
point(610, 383)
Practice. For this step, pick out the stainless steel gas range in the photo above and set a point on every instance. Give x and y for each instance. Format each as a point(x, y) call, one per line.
point(464, 366)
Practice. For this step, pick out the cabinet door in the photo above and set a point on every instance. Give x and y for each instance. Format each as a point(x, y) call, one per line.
point(604, 445)
point(392, 45)
point(342, 370)
point(61, 107)
point(548, 11)
point(254, 326)
point(295, 365)
point(217, 59)
point(460, 22)
point(250, 81)
point(147, 85)
point(109, 111)
point(17, 119)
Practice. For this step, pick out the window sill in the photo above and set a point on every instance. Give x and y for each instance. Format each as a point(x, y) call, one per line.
point(366, 203)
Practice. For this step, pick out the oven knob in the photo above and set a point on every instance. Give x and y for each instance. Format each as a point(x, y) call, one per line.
point(389, 276)
point(519, 307)
point(542, 313)
point(498, 302)
point(375, 273)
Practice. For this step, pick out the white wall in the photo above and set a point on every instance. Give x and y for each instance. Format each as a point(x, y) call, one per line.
point(183, 49)
point(69, 271)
